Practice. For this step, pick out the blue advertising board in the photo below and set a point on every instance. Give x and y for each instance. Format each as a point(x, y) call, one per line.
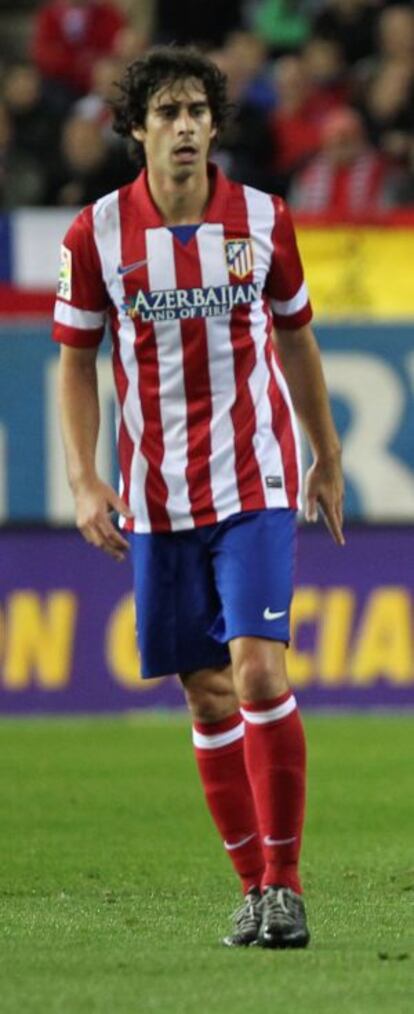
point(370, 375)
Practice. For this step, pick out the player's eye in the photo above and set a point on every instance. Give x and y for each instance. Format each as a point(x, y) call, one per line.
point(167, 112)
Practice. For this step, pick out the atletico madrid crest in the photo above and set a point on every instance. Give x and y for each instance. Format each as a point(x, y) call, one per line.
point(239, 256)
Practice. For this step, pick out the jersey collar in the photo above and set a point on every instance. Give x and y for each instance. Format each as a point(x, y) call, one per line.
point(151, 216)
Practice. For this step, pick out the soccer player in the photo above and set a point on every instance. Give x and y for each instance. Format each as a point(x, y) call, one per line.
point(193, 274)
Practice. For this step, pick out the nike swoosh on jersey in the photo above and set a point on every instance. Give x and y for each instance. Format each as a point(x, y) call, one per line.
point(125, 269)
point(268, 615)
point(268, 840)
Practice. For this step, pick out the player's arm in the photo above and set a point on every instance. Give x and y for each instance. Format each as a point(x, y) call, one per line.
point(79, 414)
point(301, 362)
point(300, 359)
point(79, 324)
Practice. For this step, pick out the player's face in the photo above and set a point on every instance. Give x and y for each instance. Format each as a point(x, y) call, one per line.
point(178, 130)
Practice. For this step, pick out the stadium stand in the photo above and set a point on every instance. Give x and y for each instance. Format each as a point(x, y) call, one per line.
point(289, 65)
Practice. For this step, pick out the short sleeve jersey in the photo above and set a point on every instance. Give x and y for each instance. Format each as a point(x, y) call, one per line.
point(206, 427)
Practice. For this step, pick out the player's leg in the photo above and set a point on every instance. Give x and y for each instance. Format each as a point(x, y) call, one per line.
point(254, 569)
point(176, 602)
point(275, 753)
point(218, 731)
point(275, 758)
point(210, 694)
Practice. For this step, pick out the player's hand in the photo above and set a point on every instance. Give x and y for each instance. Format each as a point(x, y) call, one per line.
point(94, 502)
point(324, 488)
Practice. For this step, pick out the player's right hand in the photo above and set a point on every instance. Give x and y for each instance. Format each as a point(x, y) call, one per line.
point(95, 500)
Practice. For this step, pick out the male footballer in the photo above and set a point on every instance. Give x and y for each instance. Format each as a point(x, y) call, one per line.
point(194, 275)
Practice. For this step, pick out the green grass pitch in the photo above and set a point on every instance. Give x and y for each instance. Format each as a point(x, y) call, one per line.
point(115, 889)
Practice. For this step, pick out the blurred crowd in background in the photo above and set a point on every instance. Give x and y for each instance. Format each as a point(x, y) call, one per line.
point(322, 93)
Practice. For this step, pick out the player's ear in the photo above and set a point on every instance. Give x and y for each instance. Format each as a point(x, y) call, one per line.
point(138, 133)
point(213, 133)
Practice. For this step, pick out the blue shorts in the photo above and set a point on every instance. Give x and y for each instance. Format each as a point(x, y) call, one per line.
point(198, 589)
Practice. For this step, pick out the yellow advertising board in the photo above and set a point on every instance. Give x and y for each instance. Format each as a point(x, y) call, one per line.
point(355, 271)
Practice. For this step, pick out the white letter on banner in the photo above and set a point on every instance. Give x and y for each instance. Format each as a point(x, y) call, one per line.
point(376, 398)
point(59, 499)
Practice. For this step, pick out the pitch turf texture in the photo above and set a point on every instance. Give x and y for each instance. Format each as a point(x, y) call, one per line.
point(115, 889)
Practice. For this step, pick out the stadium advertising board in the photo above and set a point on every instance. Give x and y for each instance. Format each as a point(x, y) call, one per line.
point(370, 374)
point(356, 269)
point(359, 272)
point(67, 641)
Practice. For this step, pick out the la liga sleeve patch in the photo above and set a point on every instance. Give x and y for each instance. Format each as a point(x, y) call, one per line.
point(64, 289)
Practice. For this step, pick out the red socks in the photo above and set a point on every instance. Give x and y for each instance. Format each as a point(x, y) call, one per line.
point(220, 758)
point(262, 837)
point(275, 758)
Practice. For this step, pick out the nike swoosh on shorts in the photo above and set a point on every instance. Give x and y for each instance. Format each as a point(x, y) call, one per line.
point(268, 615)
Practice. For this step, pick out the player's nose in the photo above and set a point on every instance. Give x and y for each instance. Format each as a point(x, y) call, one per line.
point(184, 122)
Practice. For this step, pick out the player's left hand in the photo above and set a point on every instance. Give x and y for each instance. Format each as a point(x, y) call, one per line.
point(324, 488)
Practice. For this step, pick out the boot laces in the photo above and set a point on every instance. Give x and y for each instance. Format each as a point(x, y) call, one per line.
point(279, 905)
point(247, 916)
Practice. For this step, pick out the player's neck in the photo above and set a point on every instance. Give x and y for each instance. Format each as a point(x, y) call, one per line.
point(181, 202)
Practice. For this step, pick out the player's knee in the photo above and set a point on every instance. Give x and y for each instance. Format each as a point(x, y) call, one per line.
point(207, 707)
point(256, 680)
point(210, 698)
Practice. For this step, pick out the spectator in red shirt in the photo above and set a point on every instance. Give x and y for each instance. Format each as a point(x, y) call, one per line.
point(295, 125)
point(69, 35)
point(325, 65)
point(348, 177)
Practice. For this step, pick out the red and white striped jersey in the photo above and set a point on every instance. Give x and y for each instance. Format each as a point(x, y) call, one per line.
point(206, 427)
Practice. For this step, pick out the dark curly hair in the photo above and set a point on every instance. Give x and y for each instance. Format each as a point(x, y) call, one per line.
point(164, 65)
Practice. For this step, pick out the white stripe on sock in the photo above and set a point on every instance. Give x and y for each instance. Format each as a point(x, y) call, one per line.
point(218, 739)
point(272, 715)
